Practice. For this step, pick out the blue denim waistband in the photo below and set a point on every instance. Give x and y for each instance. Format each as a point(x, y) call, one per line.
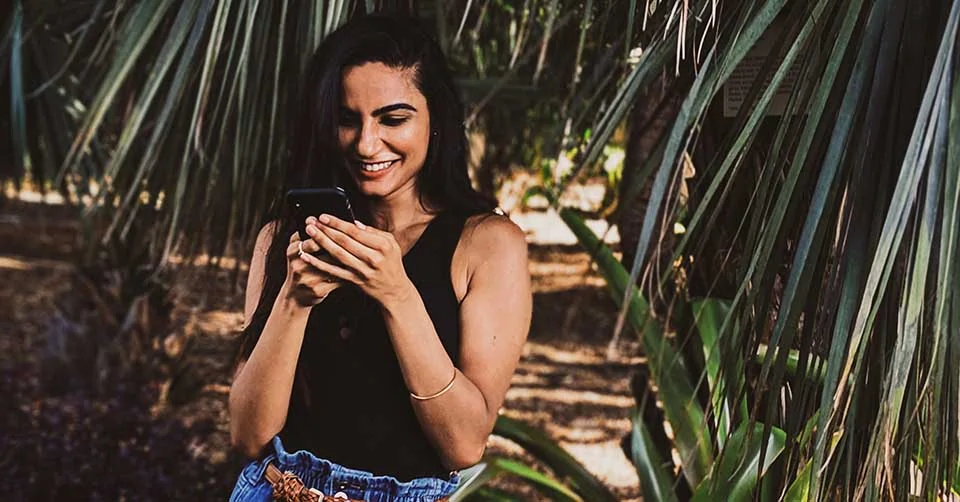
point(332, 478)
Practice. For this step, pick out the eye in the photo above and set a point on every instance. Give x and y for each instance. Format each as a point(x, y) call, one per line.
point(393, 120)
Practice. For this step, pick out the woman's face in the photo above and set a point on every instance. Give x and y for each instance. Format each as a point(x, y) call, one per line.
point(384, 129)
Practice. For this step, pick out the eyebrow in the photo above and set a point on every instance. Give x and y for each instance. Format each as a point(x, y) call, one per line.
point(393, 107)
point(382, 110)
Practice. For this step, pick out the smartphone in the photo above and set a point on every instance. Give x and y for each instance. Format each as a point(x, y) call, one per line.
point(306, 202)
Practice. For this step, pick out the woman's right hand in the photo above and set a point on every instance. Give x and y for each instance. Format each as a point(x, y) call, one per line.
point(305, 283)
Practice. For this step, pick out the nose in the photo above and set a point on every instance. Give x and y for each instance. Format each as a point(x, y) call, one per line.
point(368, 144)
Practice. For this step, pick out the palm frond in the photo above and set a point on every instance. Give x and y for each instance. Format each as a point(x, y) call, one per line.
point(846, 210)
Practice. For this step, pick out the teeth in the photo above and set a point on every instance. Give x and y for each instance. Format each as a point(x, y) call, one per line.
point(379, 166)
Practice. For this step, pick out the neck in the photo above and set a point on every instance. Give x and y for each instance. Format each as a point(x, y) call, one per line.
point(398, 210)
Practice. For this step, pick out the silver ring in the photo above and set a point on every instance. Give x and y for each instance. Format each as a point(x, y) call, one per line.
point(299, 249)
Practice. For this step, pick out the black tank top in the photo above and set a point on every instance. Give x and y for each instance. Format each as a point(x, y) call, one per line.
point(349, 402)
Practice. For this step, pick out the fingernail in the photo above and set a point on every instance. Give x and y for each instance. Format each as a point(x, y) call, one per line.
point(310, 220)
point(360, 224)
point(324, 218)
point(311, 229)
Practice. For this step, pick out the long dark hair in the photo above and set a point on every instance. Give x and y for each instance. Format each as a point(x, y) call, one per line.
point(316, 159)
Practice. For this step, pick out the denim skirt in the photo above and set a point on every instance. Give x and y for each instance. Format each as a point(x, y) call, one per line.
point(334, 479)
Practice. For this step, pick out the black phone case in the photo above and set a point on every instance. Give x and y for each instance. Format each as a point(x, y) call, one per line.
point(306, 202)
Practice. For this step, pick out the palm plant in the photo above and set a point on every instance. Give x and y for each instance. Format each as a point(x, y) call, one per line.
point(168, 100)
point(862, 271)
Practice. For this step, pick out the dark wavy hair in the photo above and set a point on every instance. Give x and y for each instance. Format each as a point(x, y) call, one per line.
point(316, 159)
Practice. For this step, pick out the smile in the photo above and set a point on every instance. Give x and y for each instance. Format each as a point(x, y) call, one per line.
point(373, 167)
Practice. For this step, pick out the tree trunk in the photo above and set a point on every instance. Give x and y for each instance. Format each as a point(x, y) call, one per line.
point(649, 120)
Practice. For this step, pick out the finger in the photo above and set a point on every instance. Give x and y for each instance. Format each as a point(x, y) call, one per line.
point(293, 249)
point(309, 276)
point(310, 246)
point(331, 269)
point(337, 251)
point(294, 237)
point(298, 247)
point(367, 236)
point(316, 278)
point(368, 255)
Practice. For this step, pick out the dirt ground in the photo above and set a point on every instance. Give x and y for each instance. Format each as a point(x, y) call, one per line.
point(564, 385)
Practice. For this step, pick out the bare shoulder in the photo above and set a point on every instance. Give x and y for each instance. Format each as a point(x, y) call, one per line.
point(494, 230)
point(493, 236)
point(492, 243)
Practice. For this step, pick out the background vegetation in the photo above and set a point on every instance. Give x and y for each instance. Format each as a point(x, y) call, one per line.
point(787, 265)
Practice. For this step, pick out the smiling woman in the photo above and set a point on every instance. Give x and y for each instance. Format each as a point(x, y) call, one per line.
point(376, 353)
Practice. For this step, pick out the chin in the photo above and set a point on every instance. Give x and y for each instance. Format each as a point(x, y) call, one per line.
point(381, 184)
point(373, 191)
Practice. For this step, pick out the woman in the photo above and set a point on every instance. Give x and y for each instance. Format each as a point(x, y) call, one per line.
point(377, 353)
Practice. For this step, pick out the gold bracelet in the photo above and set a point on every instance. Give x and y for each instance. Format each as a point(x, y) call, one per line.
point(438, 394)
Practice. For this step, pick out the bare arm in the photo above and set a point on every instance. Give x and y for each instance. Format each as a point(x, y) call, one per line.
point(494, 319)
point(260, 394)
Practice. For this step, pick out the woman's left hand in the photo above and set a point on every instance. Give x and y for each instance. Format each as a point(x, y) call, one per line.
point(368, 257)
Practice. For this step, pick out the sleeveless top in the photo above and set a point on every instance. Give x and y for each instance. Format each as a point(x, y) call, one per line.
point(349, 402)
